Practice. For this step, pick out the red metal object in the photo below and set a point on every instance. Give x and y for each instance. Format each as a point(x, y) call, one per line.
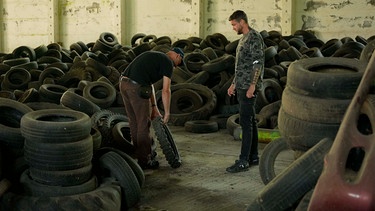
point(339, 188)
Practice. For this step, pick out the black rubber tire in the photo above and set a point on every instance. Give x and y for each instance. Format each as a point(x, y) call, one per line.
point(193, 61)
point(55, 125)
point(79, 103)
point(185, 101)
point(51, 72)
point(302, 135)
point(106, 197)
point(314, 109)
point(294, 182)
point(24, 51)
point(233, 123)
point(221, 120)
point(367, 52)
point(201, 126)
point(303, 205)
point(268, 158)
point(121, 137)
point(138, 172)
point(97, 119)
point(270, 92)
point(119, 169)
point(326, 77)
point(108, 38)
point(11, 113)
point(203, 112)
point(51, 93)
point(106, 129)
point(199, 78)
point(100, 93)
point(167, 143)
point(62, 178)
point(16, 78)
point(219, 64)
point(58, 156)
point(34, 188)
point(5, 185)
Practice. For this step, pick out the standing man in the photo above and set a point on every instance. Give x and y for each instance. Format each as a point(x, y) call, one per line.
point(138, 94)
point(247, 80)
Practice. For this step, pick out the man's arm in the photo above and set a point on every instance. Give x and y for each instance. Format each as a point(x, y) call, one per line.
point(166, 97)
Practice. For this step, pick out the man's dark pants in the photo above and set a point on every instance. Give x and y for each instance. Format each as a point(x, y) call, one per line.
point(249, 147)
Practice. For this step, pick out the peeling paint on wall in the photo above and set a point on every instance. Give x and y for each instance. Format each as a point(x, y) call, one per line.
point(209, 5)
point(277, 2)
point(341, 5)
point(5, 12)
point(310, 22)
point(372, 2)
point(314, 5)
point(94, 8)
point(274, 21)
point(210, 22)
point(186, 1)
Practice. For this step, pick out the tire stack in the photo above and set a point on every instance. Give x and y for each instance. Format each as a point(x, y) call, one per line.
point(317, 94)
point(58, 149)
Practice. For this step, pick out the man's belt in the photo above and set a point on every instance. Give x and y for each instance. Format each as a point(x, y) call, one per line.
point(126, 79)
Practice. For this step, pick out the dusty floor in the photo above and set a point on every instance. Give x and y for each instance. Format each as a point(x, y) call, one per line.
point(201, 183)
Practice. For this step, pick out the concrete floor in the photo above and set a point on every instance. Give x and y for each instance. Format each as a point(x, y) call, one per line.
point(201, 183)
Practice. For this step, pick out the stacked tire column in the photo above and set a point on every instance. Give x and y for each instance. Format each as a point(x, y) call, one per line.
point(58, 149)
point(317, 94)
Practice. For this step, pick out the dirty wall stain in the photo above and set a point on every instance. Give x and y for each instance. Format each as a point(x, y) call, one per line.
point(341, 5)
point(310, 22)
point(314, 5)
point(277, 6)
point(186, 1)
point(93, 8)
point(274, 21)
point(372, 2)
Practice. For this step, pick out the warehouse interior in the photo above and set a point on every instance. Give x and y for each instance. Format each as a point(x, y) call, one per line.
point(318, 59)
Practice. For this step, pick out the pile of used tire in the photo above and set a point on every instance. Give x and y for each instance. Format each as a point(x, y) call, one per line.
point(84, 78)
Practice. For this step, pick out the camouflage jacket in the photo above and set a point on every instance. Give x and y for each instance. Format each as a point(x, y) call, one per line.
point(249, 50)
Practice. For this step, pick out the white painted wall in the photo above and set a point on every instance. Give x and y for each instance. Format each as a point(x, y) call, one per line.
point(36, 22)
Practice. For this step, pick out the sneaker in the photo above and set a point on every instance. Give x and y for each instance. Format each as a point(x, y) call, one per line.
point(238, 166)
point(254, 162)
point(151, 164)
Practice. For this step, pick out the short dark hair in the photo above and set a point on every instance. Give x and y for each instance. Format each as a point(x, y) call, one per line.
point(238, 15)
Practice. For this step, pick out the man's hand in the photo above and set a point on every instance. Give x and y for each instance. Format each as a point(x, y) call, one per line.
point(155, 112)
point(231, 90)
point(250, 91)
point(166, 118)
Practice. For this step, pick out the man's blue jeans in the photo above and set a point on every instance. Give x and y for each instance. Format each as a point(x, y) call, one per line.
point(248, 122)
